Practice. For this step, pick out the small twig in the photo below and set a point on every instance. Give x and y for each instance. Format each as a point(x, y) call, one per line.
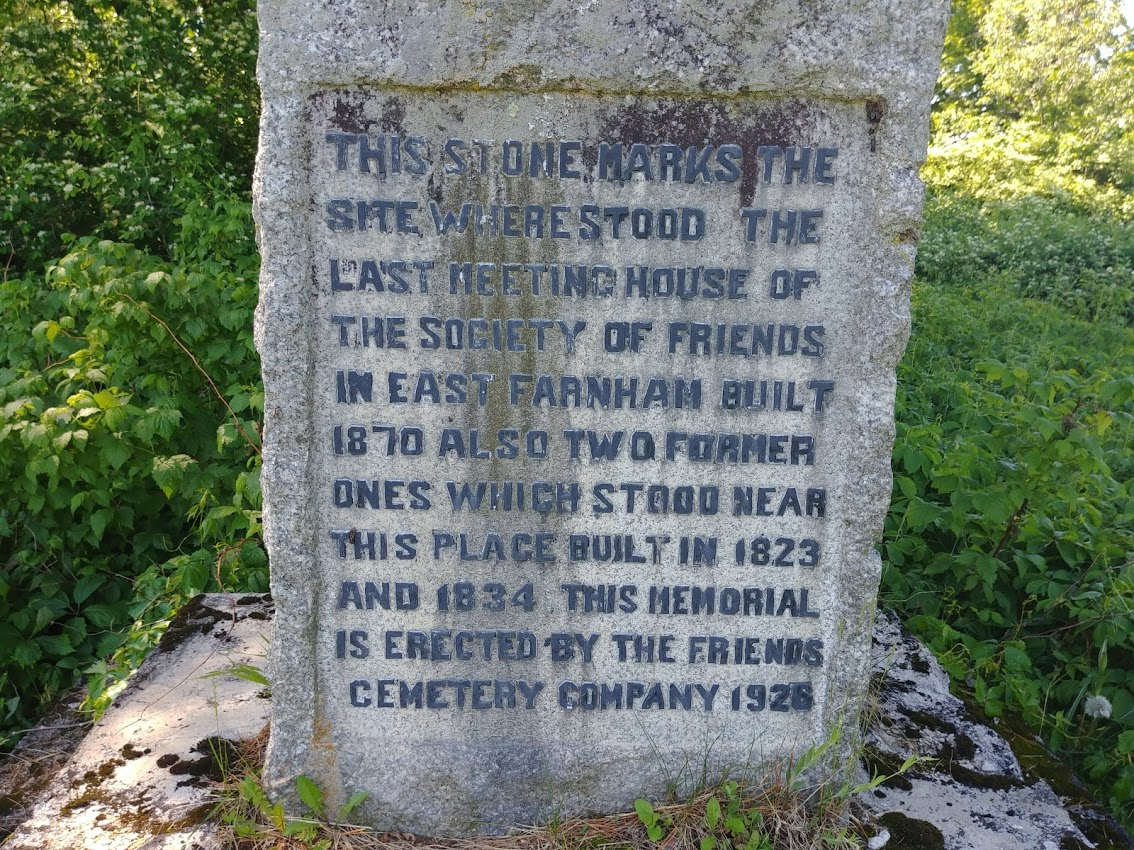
point(1013, 524)
point(53, 363)
point(1069, 420)
point(224, 553)
point(209, 657)
point(48, 727)
point(200, 369)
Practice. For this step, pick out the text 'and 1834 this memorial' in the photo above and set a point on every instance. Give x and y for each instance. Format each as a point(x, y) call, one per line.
point(579, 326)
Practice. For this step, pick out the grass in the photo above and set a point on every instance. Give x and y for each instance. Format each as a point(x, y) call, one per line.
point(782, 812)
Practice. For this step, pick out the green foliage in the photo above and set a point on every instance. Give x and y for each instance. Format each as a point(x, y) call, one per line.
point(733, 826)
point(1031, 168)
point(246, 672)
point(128, 484)
point(119, 485)
point(116, 118)
point(251, 814)
point(655, 823)
point(1046, 60)
point(1011, 532)
point(1010, 541)
point(799, 802)
point(1036, 89)
point(1030, 246)
point(1011, 535)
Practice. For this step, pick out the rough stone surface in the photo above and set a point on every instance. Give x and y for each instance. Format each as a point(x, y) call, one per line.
point(978, 797)
point(143, 776)
point(975, 794)
point(455, 756)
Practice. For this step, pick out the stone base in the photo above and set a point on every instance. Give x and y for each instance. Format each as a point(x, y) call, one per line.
point(144, 776)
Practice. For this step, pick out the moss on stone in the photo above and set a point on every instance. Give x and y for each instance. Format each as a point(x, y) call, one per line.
point(908, 833)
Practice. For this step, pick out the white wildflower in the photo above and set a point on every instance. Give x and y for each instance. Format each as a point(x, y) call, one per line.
point(880, 840)
point(1097, 705)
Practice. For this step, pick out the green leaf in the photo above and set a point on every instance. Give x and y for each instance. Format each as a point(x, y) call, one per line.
point(77, 627)
point(45, 613)
point(55, 646)
point(356, 800)
point(712, 812)
point(987, 568)
point(168, 472)
point(299, 829)
point(251, 791)
point(1126, 742)
point(106, 400)
point(645, 811)
point(920, 513)
point(310, 794)
point(247, 672)
point(35, 434)
point(100, 615)
point(27, 653)
point(1016, 659)
point(79, 437)
point(995, 506)
point(115, 452)
point(906, 486)
point(85, 586)
point(195, 575)
point(99, 520)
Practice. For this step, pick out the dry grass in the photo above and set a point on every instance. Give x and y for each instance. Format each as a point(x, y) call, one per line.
point(791, 818)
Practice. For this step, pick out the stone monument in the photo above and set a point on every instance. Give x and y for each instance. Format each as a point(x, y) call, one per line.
point(579, 324)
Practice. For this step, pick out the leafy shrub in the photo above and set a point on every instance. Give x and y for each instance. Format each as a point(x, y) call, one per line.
point(132, 125)
point(117, 117)
point(1081, 263)
point(1010, 541)
point(113, 462)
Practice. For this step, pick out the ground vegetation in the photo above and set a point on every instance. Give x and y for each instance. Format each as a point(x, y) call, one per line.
point(130, 396)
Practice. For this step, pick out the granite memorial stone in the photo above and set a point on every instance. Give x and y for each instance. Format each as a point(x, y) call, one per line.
point(579, 325)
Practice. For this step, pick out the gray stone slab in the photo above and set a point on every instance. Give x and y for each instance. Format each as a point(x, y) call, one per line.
point(145, 775)
point(548, 229)
point(973, 793)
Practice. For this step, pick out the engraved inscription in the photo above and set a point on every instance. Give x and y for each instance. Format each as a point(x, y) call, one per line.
point(574, 390)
